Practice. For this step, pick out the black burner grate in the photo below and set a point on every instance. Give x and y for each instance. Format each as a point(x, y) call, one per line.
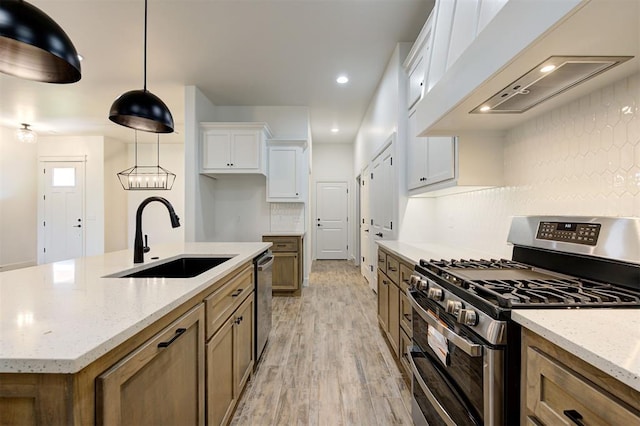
point(510, 284)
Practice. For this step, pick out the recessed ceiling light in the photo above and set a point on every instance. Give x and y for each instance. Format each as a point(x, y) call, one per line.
point(485, 108)
point(548, 68)
point(335, 130)
point(342, 79)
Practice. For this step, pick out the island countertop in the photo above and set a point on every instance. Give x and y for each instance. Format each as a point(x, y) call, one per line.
point(60, 317)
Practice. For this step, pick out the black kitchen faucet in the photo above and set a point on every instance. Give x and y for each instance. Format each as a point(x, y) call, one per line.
point(138, 248)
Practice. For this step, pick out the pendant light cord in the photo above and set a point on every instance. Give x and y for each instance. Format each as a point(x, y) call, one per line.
point(158, 145)
point(136, 150)
point(145, 45)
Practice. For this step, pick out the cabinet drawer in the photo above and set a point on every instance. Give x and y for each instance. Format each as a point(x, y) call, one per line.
point(405, 341)
point(393, 269)
point(405, 275)
point(282, 243)
point(382, 260)
point(555, 394)
point(227, 298)
point(406, 314)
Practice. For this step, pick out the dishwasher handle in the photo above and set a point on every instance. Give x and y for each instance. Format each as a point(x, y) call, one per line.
point(265, 263)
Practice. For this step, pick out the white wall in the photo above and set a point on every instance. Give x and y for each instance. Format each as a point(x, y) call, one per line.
point(115, 198)
point(285, 122)
point(155, 218)
point(197, 108)
point(580, 159)
point(92, 148)
point(334, 163)
point(18, 197)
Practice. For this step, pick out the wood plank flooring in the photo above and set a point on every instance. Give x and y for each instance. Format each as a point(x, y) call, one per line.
point(326, 362)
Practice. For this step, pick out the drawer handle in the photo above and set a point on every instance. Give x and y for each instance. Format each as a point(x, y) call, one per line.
point(574, 416)
point(407, 317)
point(391, 268)
point(179, 332)
point(238, 320)
point(237, 293)
point(281, 245)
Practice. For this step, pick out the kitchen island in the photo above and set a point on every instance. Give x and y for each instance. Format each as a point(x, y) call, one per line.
point(64, 324)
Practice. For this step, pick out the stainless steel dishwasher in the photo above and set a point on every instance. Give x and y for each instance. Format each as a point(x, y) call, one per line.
point(263, 274)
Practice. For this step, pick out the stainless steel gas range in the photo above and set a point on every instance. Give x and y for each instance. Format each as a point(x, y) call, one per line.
point(466, 350)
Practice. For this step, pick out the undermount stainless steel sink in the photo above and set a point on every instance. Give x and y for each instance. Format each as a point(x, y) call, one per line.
point(182, 267)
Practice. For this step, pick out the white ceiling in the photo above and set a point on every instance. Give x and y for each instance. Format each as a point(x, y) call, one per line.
point(242, 52)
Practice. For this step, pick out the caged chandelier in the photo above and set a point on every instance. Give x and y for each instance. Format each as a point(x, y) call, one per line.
point(146, 178)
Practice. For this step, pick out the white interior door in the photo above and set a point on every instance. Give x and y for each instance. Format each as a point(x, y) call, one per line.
point(331, 220)
point(62, 211)
point(365, 225)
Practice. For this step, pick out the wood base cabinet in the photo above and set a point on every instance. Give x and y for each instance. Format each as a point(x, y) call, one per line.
point(287, 263)
point(560, 389)
point(159, 383)
point(229, 363)
point(394, 311)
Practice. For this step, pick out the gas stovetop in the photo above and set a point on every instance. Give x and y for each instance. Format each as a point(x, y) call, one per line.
point(509, 284)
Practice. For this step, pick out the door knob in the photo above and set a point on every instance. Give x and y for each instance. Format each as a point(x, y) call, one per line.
point(319, 224)
point(77, 226)
point(379, 234)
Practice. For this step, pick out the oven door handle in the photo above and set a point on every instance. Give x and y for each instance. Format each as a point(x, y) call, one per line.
point(471, 349)
point(425, 389)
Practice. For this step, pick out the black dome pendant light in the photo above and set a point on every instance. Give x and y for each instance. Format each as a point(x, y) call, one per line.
point(34, 47)
point(141, 109)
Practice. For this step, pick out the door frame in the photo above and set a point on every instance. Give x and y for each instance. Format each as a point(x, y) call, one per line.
point(42, 160)
point(315, 207)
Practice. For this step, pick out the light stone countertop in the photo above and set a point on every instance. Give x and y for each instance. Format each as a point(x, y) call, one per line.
point(608, 339)
point(60, 317)
point(284, 234)
point(413, 252)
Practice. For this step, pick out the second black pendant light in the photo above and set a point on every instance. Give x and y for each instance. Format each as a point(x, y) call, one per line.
point(141, 109)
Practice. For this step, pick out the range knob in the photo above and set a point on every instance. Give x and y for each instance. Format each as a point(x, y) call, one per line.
point(435, 294)
point(423, 285)
point(414, 280)
point(453, 307)
point(468, 317)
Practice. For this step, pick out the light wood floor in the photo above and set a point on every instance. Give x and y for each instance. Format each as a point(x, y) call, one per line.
point(326, 362)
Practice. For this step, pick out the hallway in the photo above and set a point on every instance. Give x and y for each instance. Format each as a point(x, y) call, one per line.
point(326, 362)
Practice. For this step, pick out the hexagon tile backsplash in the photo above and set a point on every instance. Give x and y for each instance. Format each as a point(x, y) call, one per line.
point(580, 159)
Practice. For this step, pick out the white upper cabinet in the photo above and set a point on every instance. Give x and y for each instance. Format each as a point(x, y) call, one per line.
point(431, 160)
point(286, 171)
point(417, 63)
point(233, 147)
point(442, 28)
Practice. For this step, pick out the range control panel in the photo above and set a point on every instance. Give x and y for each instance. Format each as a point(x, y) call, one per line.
point(566, 232)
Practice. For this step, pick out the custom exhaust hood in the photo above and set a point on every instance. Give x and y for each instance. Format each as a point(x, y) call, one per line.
point(553, 76)
point(591, 44)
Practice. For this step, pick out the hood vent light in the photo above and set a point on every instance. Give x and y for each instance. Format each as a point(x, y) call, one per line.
point(552, 77)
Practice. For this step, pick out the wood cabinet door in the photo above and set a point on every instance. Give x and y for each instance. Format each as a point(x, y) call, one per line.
point(393, 330)
point(216, 149)
point(221, 392)
point(383, 300)
point(245, 149)
point(161, 382)
point(406, 319)
point(285, 271)
point(244, 338)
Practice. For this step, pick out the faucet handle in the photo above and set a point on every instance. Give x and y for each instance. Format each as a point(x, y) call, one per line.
point(146, 248)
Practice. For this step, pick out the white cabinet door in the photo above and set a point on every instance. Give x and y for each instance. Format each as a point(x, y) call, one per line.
point(283, 177)
point(416, 156)
point(416, 82)
point(245, 150)
point(382, 194)
point(440, 159)
point(216, 149)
